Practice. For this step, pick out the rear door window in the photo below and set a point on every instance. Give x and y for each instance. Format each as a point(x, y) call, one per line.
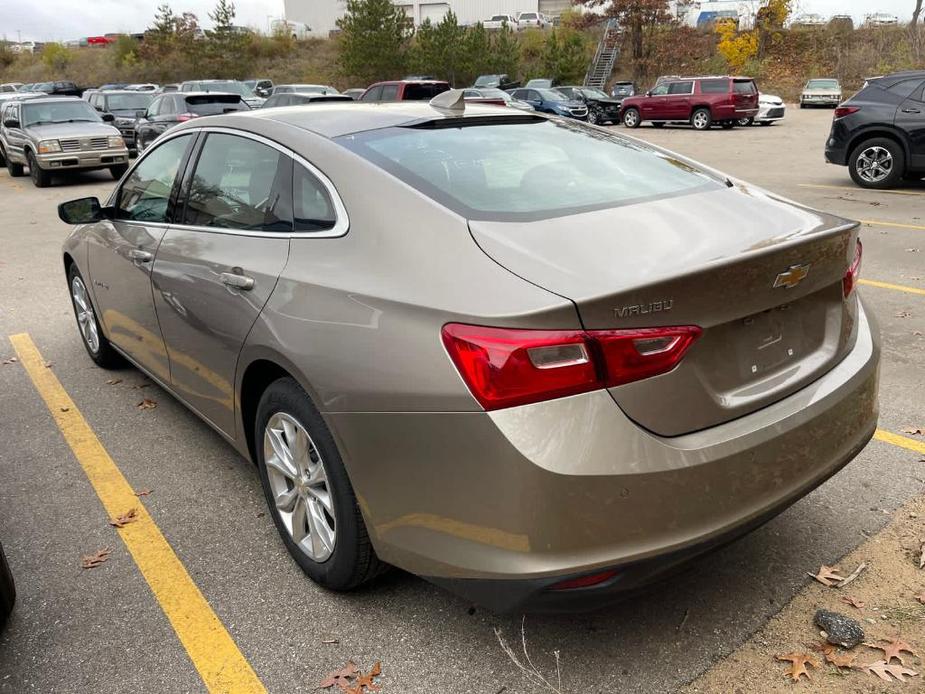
point(907, 88)
point(681, 88)
point(423, 92)
point(239, 183)
point(145, 195)
point(714, 86)
point(311, 205)
point(389, 92)
point(213, 104)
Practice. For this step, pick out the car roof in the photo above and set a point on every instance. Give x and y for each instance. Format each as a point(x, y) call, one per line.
point(54, 99)
point(188, 94)
point(333, 119)
point(376, 84)
point(107, 92)
point(894, 77)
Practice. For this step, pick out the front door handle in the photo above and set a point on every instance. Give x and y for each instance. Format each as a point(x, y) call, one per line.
point(139, 256)
point(911, 110)
point(230, 279)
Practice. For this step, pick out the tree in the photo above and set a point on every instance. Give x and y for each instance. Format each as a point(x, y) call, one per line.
point(438, 49)
point(640, 19)
point(916, 13)
point(226, 48)
point(769, 22)
point(504, 56)
point(56, 57)
point(374, 40)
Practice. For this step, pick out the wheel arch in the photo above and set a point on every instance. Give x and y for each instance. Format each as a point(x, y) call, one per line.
point(878, 131)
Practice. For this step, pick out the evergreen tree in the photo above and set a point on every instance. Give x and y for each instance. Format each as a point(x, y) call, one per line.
point(374, 40)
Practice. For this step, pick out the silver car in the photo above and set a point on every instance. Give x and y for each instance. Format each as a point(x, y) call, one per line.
point(56, 134)
point(533, 361)
point(821, 92)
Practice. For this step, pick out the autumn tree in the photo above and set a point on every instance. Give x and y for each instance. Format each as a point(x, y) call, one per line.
point(374, 40)
point(170, 50)
point(639, 19)
point(915, 30)
point(769, 22)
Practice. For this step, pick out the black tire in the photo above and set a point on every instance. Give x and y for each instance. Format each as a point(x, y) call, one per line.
point(658, 124)
point(118, 171)
point(7, 589)
point(2, 156)
point(897, 166)
point(353, 560)
point(104, 355)
point(745, 122)
point(40, 177)
point(728, 125)
point(766, 123)
point(701, 119)
point(594, 117)
point(631, 118)
point(15, 170)
point(802, 105)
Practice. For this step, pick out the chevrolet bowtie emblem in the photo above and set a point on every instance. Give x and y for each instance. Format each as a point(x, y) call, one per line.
point(792, 277)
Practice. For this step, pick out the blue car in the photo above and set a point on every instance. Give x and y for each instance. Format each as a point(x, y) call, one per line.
point(551, 101)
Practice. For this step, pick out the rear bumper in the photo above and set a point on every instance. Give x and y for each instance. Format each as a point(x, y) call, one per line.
point(96, 159)
point(498, 507)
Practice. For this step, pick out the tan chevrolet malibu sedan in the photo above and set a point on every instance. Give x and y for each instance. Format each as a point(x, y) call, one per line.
point(530, 360)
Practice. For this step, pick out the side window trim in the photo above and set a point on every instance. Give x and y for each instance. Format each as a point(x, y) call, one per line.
point(342, 220)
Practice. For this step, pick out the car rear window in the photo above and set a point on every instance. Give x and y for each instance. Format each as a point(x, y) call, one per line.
point(423, 92)
point(214, 104)
point(523, 170)
point(714, 86)
point(744, 87)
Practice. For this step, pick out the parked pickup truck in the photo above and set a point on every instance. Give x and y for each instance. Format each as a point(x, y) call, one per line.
point(700, 101)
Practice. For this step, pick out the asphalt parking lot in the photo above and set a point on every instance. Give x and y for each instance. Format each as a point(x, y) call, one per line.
point(105, 630)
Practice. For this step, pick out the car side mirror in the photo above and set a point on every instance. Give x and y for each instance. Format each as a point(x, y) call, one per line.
point(83, 211)
point(108, 118)
point(11, 123)
point(649, 93)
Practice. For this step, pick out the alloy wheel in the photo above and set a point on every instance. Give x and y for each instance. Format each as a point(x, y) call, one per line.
point(701, 120)
point(630, 118)
point(86, 318)
point(874, 164)
point(299, 484)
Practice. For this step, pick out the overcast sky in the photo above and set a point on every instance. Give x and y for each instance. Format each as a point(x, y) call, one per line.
point(58, 20)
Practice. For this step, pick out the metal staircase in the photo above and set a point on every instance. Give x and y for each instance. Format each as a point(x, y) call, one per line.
point(607, 51)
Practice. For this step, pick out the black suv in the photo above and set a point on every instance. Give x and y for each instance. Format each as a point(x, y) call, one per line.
point(601, 108)
point(879, 133)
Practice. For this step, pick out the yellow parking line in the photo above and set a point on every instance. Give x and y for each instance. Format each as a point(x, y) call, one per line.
point(221, 665)
point(902, 441)
point(861, 190)
point(875, 223)
point(896, 287)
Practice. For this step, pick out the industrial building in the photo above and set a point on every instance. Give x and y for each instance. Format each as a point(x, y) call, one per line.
point(321, 15)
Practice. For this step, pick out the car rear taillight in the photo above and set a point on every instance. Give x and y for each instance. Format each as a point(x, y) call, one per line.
point(183, 117)
point(850, 280)
point(505, 367)
point(843, 111)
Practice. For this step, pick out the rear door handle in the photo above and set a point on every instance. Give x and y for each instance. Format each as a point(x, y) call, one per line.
point(911, 110)
point(139, 256)
point(230, 279)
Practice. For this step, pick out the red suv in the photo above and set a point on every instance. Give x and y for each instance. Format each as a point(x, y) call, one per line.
point(405, 90)
point(700, 101)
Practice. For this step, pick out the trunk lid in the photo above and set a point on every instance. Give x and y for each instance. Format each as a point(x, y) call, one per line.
point(710, 259)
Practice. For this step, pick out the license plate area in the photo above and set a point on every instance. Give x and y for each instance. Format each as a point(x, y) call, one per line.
point(768, 340)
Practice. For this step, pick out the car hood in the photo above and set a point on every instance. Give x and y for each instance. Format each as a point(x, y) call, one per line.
point(125, 112)
point(571, 103)
point(66, 130)
point(605, 102)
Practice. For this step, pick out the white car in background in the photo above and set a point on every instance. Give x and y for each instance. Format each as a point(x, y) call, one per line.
point(771, 108)
point(533, 19)
point(500, 21)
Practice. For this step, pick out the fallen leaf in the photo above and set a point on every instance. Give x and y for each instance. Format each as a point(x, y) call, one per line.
point(11, 360)
point(113, 381)
point(146, 404)
point(141, 385)
point(91, 561)
point(143, 492)
point(884, 670)
point(129, 516)
point(329, 641)
point(798, 663)
point(921, 598)
point(915, 431)
point(853, 575)
point(902, 314)
point(367, 680)
point(49, 364)
point(65, 409)
point(892, 649)
point(845, 660)
point(342, 678)
point(912, 250)
point(828, 575)
point(854, 602)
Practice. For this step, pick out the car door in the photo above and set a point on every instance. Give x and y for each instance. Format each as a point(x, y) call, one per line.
point(15, 137)
point(121, 254)
point(910, 118)
point(215, 270)
point(678, 101)
point(655, 105)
